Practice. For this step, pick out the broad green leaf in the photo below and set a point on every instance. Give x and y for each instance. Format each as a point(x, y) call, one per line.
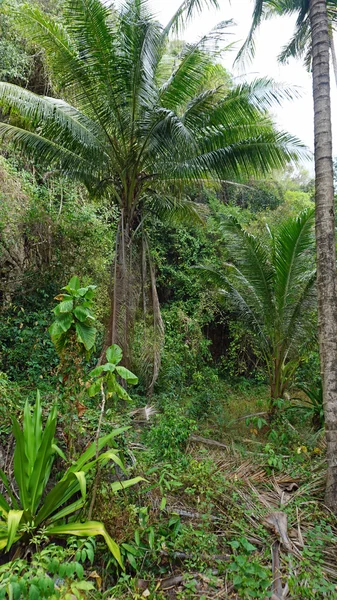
point(90, 294)
point(86, 334)
point(64, 321)
point(82, 291)
point(94, 388)
point(55, 329)
point(66, 306)
point(34, 593)
point(91, 451)
point(83, 585)
point(59, 495)
point(89, 528)
point(74, 284)
point(109, 367)
point(88, 291)
point(111, 455)
point(29, 437)
point(82, 313)
point(114, 354)
point(96, 371)
point(13, 521)
point(130, 549)
point(132, 560)
point(37, 420)
point(121, 392)
point(43, 463)
point(127, 375)
point(122, 485)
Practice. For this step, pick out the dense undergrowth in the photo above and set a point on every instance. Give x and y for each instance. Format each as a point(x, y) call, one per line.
point(227, 487)
point(201, 524)
point(217, 474)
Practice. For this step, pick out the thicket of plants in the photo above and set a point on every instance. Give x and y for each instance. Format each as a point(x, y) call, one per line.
point(169, 471)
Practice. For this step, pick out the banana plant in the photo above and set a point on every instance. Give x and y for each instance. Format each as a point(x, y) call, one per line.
point(23, 515)
point(107, 374)
point(73, 315)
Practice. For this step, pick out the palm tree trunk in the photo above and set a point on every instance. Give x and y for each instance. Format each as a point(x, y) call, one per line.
point(333, 56)
point(325, 236)
point(123, 302)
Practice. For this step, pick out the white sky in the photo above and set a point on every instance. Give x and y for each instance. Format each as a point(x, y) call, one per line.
point(295, 116)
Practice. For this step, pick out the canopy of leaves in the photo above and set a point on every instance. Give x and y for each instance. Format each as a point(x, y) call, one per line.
point(121, 128)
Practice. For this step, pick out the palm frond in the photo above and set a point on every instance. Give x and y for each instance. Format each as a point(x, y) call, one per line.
point(57, 121)
point(296, 325)
point(293, 252)
point(195, 60)
point(264, 9)
point(174, 209)
point(252, 258)
point(240, 294)
point(299, 43)
point(185, 12)
point(51, 154)
point(69, 65)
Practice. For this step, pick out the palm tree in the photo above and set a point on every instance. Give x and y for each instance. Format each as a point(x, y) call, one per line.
point(315, 18)
point(136, 140)
point(270, 286)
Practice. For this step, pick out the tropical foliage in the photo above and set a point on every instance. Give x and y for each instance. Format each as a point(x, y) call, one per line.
point(107, 374)
point(136, 138)
point(176, 160)
point(74, 317)
point(300, 45)
point(271, 287)
point(38, 508)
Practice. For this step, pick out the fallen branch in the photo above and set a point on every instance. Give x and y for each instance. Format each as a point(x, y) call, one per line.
point(191, 515)
point(208, 442)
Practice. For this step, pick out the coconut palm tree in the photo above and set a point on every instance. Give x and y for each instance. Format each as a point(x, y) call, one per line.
point(134, 139)
point(270, 286)
point(315, 19)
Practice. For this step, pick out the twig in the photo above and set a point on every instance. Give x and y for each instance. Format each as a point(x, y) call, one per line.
point(259, 414)
point(98, 467)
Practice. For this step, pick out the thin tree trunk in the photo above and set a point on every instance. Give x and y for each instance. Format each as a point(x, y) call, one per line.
point(158, 326)
point(325, 236)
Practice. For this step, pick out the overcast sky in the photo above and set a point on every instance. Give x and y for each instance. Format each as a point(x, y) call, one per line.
point(295, 116)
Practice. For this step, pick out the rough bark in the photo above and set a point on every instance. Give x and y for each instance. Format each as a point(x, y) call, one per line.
point(133, 285)
point(124, 293)
point(333, 55)
point(325, 236)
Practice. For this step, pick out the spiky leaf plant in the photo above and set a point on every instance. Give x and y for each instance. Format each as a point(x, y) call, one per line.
point(56, 510)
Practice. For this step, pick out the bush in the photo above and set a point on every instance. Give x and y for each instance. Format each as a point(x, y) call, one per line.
point(27, 353)
point(168, 438)
point(52, 573)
